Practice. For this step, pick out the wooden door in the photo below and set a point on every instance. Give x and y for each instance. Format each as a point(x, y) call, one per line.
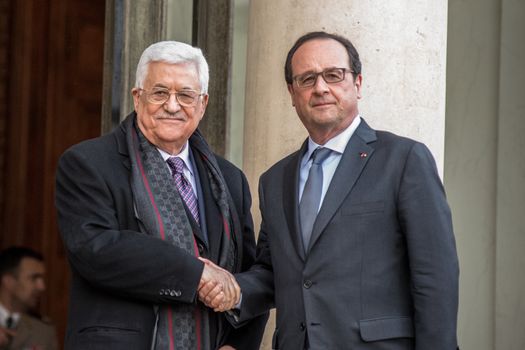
point(52, 69)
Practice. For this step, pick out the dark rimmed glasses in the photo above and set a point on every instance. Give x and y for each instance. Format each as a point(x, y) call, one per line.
point(159, 96)
point(330, 76)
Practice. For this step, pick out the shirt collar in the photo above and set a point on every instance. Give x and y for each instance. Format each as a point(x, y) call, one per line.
point(4, 314)
point(337, 143)
point(184, 155)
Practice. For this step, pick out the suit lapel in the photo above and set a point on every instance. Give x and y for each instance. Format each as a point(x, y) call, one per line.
point(291, 199)
point(120, 136)
point(354, 159)
point(23, 332)
point(211, 213)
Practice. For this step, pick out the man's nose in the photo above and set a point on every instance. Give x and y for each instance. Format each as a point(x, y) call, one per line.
point(320, 86)
point(172, 105)
point(41, 285)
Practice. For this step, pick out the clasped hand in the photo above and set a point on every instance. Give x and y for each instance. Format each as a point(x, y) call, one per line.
point(218, 289)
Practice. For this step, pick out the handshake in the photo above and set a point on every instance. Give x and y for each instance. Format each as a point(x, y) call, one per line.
point(218, 289)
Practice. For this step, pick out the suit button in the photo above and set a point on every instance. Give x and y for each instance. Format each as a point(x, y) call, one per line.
point(172, 293)
point(200, 247)
point(302, 326)
point(307, 284)
point(161, 292)
point(177, 293)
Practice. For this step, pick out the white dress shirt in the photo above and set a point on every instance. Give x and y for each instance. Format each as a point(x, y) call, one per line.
point(5, 314)
point(337, 144)
point(188, 168)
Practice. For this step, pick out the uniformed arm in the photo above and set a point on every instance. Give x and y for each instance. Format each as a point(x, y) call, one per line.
point(108, 254)
point(425, 220)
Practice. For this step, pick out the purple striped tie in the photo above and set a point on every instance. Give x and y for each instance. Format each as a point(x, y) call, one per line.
point(183, 186)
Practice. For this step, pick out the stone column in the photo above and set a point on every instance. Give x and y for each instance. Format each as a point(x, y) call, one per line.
point(510, 231)
point(403, 50)
point(471, 159)
point(485, 170)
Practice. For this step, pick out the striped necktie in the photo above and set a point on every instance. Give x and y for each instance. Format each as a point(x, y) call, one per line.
point(183, 186)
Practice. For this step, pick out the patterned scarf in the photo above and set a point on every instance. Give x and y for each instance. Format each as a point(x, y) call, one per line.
point(162, 211)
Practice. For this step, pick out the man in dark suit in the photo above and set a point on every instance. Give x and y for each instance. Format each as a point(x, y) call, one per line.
point(22, 284)
point(356, 248)
point(136, 209)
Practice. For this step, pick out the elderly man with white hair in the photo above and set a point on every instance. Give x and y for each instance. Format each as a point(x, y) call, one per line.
point(141, 212)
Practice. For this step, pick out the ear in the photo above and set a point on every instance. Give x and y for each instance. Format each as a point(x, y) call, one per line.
point(8, 281)
point(135, 92)
point(292, 93)
point(204, 102)
point(357, 85)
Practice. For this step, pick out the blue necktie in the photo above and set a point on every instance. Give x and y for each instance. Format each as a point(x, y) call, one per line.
point(309, 205)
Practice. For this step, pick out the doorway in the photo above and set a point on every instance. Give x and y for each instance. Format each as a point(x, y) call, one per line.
point(51, 64)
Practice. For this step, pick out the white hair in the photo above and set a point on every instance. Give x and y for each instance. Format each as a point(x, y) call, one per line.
point(173, 52)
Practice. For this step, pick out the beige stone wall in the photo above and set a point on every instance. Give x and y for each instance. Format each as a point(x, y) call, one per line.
point(403, 50)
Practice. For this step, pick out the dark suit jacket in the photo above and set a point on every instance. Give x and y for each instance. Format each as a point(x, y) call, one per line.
point(118, 272)
point(33, 333)
point(381, 271)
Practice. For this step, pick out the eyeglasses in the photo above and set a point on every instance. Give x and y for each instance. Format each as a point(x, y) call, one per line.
point(330, 76)
point(160, 96)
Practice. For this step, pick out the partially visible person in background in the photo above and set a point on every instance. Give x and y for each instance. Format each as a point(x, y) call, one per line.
point(22, 273)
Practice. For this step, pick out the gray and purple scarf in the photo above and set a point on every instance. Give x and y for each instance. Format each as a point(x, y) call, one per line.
point(180, 326)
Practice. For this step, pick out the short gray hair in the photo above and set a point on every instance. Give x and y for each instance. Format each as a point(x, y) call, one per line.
point(173, 52)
